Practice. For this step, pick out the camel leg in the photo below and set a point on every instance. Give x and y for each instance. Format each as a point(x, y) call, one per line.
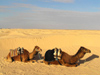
point(8, 58)
point(30, 61)
point(46, 62)
point(33, 61)
point(70, 65)
point(54, 62)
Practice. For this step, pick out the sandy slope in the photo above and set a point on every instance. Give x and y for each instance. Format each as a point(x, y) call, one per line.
point(68, 40)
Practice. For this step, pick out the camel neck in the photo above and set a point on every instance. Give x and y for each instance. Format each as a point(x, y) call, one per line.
point(31, 55)
point(34, 52)
point(79, 54)
point(76, 57)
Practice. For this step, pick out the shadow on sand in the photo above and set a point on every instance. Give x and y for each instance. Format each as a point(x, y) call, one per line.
point(38, 57)
point(93, 56)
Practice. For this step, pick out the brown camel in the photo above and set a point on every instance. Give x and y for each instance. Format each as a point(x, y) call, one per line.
point(25, 56)
point(71, 61)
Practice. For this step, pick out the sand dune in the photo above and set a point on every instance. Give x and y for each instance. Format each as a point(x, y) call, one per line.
point(68, 40)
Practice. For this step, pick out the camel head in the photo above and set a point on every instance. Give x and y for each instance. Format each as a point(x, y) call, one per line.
point(57, 53)
point(85, 50)
point(37, 49)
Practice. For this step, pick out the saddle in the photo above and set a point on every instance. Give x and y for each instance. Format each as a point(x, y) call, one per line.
point(57, 55)
point(16, 51)
point(53, 55)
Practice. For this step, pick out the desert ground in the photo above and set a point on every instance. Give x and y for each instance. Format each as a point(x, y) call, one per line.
point(68, 40)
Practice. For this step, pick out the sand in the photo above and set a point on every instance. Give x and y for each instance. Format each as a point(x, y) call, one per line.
point(68, 40)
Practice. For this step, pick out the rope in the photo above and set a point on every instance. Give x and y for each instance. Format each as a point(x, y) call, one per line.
point(58, 60)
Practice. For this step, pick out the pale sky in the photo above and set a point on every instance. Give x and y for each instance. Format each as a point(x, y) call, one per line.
point(50, 14)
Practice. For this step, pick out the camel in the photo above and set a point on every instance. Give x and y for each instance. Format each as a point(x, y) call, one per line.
point(25, 56)
point(71, 60)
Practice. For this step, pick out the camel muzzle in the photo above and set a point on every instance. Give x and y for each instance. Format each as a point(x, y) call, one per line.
point(40, 49)
point(89, 51)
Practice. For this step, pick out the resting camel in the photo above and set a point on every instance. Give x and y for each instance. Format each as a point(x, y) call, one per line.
point(25, 56)
point(71, 60)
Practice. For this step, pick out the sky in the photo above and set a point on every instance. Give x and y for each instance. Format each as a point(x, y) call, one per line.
point(50, 14)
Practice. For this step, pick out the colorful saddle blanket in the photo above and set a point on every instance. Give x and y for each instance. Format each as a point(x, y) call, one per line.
point(16, 52)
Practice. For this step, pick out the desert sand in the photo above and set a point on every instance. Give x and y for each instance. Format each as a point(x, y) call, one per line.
point(68, 40)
